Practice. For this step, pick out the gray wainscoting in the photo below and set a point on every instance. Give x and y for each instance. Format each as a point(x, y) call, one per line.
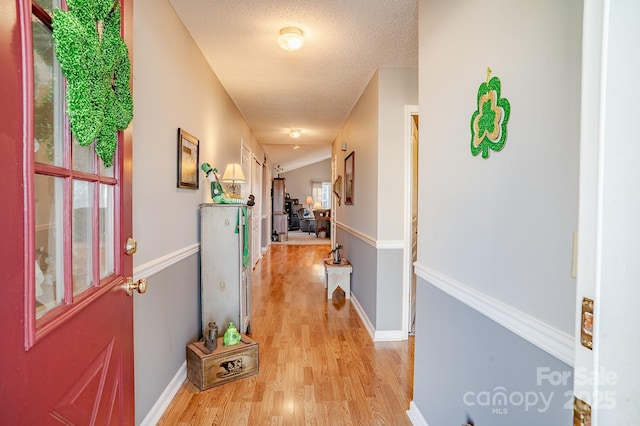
point(468, 365)
point(166, 319)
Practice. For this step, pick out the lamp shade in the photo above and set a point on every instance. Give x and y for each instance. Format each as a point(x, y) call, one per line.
point(233, 173)
point(309, 200)
point(317, 205)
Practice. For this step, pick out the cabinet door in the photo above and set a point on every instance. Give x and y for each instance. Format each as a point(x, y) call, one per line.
point(278, 195)
point(220, 263)
point(245, 271)
point(280, 223)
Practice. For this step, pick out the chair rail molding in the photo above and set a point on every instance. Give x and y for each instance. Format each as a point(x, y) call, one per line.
point(551, 340)
point(377, 244)
point(159, 264)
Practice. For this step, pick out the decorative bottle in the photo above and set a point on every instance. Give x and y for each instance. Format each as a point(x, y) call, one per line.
point(211, 341)
point(231, 336)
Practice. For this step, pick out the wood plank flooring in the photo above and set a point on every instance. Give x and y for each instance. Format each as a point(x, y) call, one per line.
point(318, 365)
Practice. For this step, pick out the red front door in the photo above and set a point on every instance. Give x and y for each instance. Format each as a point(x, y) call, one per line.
point(66, 322)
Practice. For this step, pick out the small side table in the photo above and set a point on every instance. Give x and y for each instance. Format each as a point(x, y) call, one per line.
point(338, 275)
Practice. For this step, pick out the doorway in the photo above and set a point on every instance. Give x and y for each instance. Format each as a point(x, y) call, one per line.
point(411, 222)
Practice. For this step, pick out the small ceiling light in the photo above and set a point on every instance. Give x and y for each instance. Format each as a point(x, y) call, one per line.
point(291, 38)
point(295, 133)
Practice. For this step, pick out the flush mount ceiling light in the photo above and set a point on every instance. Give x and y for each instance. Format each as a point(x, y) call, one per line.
point(291, 38)
point(295, 133)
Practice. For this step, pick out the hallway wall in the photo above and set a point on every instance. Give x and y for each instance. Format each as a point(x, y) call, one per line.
point(495, 234)
point(371, 229)
point(173, 87)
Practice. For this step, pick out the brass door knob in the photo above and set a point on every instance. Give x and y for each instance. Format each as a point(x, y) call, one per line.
point(140, 286)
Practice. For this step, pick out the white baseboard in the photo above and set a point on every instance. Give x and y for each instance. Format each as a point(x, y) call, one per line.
point(158, 409)
point(363, 317)
point(415, 416)
point(549, 339)
point(390, 336)
point(376, 336)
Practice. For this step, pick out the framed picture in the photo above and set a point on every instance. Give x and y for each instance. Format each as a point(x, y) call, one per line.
point(349, 177)
point(337, 189)
point(188, 158)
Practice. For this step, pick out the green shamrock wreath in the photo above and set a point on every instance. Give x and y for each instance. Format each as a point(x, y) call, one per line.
point(489, 121)
point(95, 60)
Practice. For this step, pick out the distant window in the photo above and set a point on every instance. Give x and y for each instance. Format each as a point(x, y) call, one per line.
point(321, 192)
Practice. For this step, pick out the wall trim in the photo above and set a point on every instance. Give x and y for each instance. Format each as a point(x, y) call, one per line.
point(415, 416)
point(378, 244)
point(158, 409)
point(159, 264)
point(363, 317)
point(359, 235)
point(549, 339)
point(390, 336)
point(376, 336)
point(390, 244)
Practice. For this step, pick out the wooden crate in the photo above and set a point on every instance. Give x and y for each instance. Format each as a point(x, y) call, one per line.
point(207, 369)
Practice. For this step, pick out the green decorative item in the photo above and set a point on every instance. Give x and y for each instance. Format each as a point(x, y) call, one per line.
point(231, 336)
point(95, 61)
point(489, 121)
point(218, 194)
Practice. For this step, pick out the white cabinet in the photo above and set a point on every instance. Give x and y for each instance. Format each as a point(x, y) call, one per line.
point(225, 265)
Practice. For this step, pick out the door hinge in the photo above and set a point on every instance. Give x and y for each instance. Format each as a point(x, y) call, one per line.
point(586, 324)
point(581, 413)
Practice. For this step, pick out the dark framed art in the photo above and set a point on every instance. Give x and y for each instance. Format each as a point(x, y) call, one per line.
point(349, 177)
point(188, 158)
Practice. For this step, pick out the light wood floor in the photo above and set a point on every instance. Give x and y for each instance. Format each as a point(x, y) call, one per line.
point(318, 365)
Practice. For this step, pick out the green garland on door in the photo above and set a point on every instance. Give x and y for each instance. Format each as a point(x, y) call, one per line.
point(489, 120)
point(95, 60)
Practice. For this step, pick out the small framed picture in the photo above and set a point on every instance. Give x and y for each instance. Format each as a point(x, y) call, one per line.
point(188, 158)
point(349, 177)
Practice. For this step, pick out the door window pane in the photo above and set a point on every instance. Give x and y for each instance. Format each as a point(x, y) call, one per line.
point(83, 157)
point(48, 5)
point(49, 265)
point(106, 171)
point(74, 210)
point(82, 231)
point(48, 100)
point(107, 231)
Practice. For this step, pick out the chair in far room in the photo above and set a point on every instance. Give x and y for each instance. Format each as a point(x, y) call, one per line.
point(307, 221)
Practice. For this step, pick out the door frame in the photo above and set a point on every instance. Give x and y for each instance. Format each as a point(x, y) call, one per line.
point(607, 267)
point(409, 112)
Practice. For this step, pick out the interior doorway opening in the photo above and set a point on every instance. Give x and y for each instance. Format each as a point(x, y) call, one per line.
point(414, 221)
point(411, 218)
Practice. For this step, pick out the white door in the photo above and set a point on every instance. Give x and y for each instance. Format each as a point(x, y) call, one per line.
point(607, 376)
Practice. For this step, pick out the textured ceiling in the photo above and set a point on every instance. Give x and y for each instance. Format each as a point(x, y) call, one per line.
point(314, 88)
